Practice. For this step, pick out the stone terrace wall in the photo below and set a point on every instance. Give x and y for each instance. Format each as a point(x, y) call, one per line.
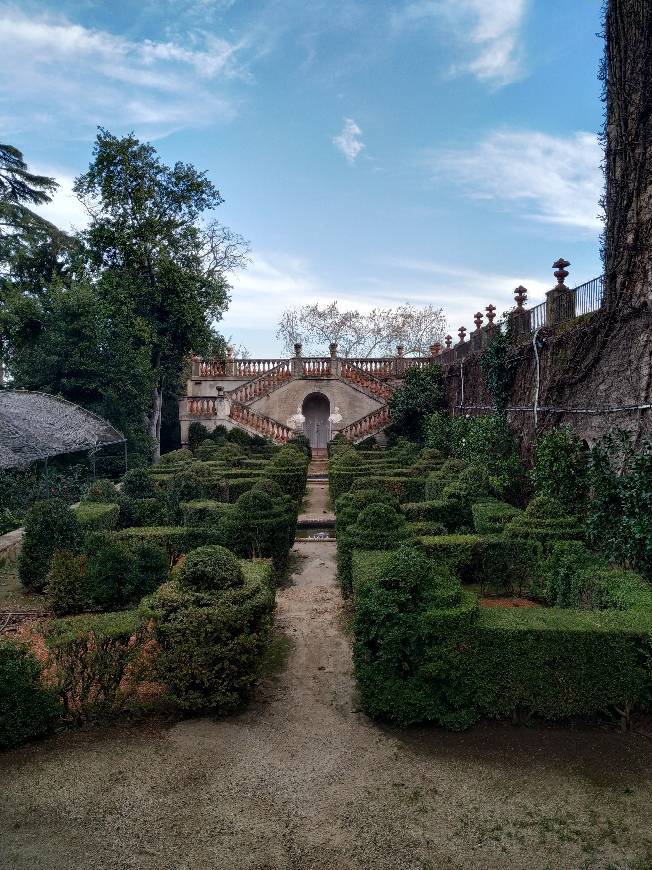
point(592, 364)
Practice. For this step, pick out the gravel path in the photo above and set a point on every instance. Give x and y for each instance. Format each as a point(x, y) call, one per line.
point(303, 781)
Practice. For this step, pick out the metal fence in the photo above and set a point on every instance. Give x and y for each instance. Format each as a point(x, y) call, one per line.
point(579, 300)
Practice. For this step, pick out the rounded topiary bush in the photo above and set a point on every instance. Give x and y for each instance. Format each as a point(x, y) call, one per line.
point(67, 588)
point(197, 433)
point(137, 483)
point(209, 569)
point(103, 491)
point(260, 525)
point(186, 485)
point(50, 525)
point(231, 454)
point(270, 487)
point(378, 527)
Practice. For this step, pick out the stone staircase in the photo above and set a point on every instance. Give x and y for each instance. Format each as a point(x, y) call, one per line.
point(367, 383)
point(365, 427)
point(259, 424)
point(264, 384)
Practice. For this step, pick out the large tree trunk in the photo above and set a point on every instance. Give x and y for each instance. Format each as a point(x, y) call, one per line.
point(154, 421)
point(628, 155)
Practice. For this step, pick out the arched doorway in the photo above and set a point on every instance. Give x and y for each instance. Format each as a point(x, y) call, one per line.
point(316, 409)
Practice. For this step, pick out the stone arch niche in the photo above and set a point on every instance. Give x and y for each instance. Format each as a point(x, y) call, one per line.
point(316, 409)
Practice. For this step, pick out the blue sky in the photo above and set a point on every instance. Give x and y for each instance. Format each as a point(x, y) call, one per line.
point(430, 151)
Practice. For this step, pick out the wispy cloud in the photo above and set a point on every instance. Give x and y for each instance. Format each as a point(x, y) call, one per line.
point(552, 179)
point(76, 75)
point(349, 141)
point(487, 32)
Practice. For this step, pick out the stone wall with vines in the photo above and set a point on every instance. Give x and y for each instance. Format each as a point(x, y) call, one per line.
point(596, 363)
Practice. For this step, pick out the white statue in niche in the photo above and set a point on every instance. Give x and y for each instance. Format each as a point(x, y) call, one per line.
point(334, 422)
point(297, 420)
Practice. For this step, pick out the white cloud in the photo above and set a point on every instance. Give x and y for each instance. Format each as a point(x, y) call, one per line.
point(65, 211)
point(349, 141)
point(555, 179)
point(70, 74)
point(488, 33)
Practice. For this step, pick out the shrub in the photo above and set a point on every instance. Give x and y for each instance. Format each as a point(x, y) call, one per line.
point(143, 512)
point(259, 525)
point(546, 521)
point(405, 489)
point(93, 516)
point(574, 577)
point(446, 513)
point(271, 487)
point(488, 441)
point(378, 527)
point(67, 589)
point(103, 492)
point(197, 433)
point(338, 444)
point(289, 468)
point(183, 455)
point(421, 394)
point(239, 436)
point(437, 432)
point(428, 528)
point(138, 484)
point(302, 442)
point(27, 708)
point(174, 540)
point(345, 467)
point(409, 619)
point(619, 517)
point(99, 663)
point(491, 517)
point(210, 569)
point(237, 486)
point(50, 525)
point(203, 513)
point(118, 573)
point(438, 480)
point(231, 455)
point(212, 643)
point(184, 486)
point(561, 469)
point(349, 506)
point(207, 451)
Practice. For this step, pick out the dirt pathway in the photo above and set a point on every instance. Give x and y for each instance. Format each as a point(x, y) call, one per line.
point(303, 781)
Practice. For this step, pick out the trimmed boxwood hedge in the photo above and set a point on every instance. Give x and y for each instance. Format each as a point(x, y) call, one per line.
point(419, 663)
point(544, 520)
point(203, 513)
point(378, 527)
point(441, 511)
point(50, 525)
point(28, 708)
point(93, 516)
point(175, 540)
point(490, 517)
point(212, 642)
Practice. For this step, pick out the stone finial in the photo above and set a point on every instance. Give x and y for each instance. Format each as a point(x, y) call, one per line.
point(491, 314)
point(561, 273)
point(461, 332)
point(478, 321)
point(229, 351)
point(297, 348)
point(520, 295)
point(220, 392)
point(400, 350)
point(435, 349)
point(333, 349)
point(449, 342)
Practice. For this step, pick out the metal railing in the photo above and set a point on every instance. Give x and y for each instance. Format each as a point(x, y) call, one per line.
point(577, 301)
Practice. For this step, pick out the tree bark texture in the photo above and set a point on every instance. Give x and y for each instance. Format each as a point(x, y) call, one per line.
point(628, 154)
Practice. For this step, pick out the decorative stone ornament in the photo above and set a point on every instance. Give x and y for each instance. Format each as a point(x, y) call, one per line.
point(491, 313)
point(478, 321)
point(333, 349)
point(435, 349)
point(400, 350)
point(520, 296)
point(561, 272)
point(461, 332)
point(449, 342)
point(297, 348)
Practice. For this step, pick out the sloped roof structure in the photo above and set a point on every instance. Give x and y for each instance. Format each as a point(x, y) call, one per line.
point(37, 426)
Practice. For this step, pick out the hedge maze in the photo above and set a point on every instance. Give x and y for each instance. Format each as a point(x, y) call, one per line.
point(167, 579)
point(423, 540)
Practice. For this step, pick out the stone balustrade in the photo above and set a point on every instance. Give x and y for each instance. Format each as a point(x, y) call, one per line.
point(367, 426)
point(265, 383)
point(384, 367)
point(260, 424)
point(362, 379)
point(201, 406)
point(316, 367)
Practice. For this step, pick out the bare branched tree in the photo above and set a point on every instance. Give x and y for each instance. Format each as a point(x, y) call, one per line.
point(223, 251)
point(356, 334)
